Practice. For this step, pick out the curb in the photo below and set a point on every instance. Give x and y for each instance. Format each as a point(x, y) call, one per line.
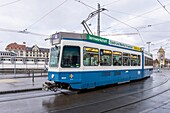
point(31, 76)
point(24, 77)
point(20, 90)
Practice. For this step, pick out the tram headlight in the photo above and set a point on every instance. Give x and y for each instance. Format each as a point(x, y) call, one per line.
point(52, 76)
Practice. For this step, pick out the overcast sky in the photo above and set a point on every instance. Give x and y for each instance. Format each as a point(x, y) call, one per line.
point(123, 16)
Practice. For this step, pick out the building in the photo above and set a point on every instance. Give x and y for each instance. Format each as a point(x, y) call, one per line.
point(167, 63)
point(22, 51)
point(161, 60)
point(161, 57)
point(37, 52)
point(19, 49)
point(21, 57)
point(7, 54)
point(155, 63)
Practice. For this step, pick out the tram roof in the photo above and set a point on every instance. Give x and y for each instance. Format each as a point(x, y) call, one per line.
point(56, 38)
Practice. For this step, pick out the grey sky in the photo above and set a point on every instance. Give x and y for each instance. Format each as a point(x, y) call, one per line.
point(148, 16)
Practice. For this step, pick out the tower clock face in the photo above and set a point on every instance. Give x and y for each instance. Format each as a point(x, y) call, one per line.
point(162, 57)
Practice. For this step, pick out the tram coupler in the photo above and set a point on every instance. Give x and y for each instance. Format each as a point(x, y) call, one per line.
point(49, 86)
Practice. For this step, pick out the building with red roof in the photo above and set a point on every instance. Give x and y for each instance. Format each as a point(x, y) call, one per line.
point(22, 51)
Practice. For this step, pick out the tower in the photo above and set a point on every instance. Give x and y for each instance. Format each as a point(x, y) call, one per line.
point(161, 57)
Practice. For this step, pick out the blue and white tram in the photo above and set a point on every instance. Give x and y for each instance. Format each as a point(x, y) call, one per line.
point(83, 61)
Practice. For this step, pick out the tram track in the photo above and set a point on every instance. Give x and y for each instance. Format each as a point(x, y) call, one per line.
point(40, 94)
point(24, 97)
point(43, 94)
point(121, 106)
point(34, 95)
point(155, 107)
point(131, 103)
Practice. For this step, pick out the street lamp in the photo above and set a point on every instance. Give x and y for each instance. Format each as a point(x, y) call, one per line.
point(148, 46)
point(14, 62)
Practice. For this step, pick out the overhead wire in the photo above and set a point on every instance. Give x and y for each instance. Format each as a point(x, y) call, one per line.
point(107, 15)
point(120, 34)
point(111, 3)
point(45, 15)
point(160, 42)
point(137, 16)
point(161, 23)
point(120, 21)
point(163, 6)
point(85, 4)
point(9, 3)
point(141, 16)
point(154, 31)
point(128, 26)
point(134, 15)
point(115, 19)
point(152, 25)
point(23, 32)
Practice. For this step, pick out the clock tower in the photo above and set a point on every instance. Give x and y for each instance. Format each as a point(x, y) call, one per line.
point(161, 57)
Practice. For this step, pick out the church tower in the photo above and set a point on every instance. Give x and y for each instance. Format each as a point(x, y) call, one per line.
point(161, 57)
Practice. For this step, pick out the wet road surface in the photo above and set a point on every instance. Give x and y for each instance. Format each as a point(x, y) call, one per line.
point(150, 95)
point(21, 84)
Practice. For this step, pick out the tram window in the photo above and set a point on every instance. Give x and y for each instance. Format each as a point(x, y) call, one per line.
point(70, 57)
point(151, 62)
point(139, 60)
point(117, 58)
point(90, 56)
point(134, 60)
point(126, 59)
point(54, 56)
point(105, 57)
point(148, 61)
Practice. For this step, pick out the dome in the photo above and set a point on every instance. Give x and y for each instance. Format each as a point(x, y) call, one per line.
point(161, 50)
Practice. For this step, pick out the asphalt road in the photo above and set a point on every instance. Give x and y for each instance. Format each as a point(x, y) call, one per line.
point(151, 95)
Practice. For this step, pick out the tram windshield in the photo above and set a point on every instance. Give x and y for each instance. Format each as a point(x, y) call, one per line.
point(54, 56)
point(70, 57)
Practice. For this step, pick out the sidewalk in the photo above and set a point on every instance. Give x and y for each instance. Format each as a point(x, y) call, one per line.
point(11, 76)
point(13, 85)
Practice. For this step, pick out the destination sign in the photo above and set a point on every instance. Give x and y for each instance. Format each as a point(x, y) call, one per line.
point(55, 39)
point(117, 53)
point(134, 56)
point(115, 43)
point(97, 39)
point(107, 52)
point(88, 49)
point(136, 48)
point(111, 42)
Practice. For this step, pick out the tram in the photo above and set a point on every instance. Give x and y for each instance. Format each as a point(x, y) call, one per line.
point(84, 61)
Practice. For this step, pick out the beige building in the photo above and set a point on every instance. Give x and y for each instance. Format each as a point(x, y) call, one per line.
point(161, 57)
point(19, 49)
point(22, 51)
point(161, 60)
point(37, 52)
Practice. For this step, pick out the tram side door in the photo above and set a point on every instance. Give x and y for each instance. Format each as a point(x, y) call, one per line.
point(125, 76)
